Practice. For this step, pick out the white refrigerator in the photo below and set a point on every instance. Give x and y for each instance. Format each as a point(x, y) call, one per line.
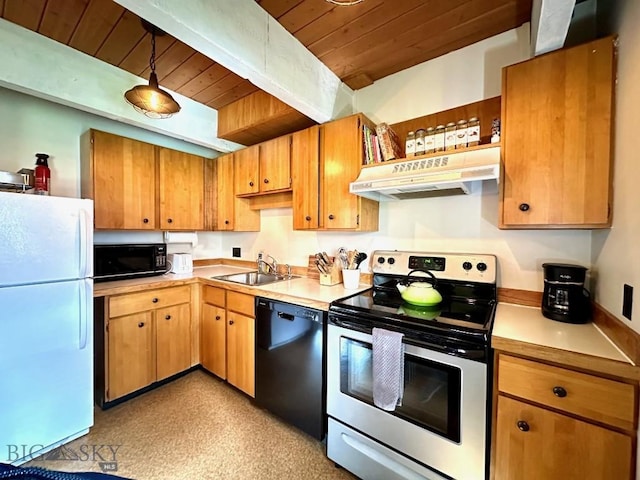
point(46, 323)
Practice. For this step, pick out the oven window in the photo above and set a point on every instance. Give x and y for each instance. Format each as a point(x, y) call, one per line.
point(431, 390)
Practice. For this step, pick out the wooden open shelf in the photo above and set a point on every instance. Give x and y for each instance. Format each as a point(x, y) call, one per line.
point(436, 154)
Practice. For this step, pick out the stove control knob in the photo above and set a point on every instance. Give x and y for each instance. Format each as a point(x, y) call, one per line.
point(391, 261)
point(482, 266)
point(467, 266)
point(380, 260)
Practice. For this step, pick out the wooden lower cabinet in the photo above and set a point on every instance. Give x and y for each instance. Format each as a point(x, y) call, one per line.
point(173, 341)
point(533, 443)
point(228, 337)
point(130, 353)
point(147, 338)
point(241, 352)
point(557, 423)
point(213, 356)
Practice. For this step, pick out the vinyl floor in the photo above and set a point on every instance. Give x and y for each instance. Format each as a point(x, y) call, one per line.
point(196, 427)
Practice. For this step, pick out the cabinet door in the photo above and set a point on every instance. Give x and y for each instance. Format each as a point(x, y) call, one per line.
point(181, 190)
point(214, 342)
point(275, 164)
point(557, 131)
point(124, 182)
point(241, 352)
point(225, 193)
point(173, 340)
point(247, 164)
point(131, 360)
point(305, 175)
point(233, 213)
point(552, 446)
point(341, 159)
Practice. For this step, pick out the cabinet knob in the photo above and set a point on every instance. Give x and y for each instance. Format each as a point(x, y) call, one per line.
point(251, 184)
point(331, 217)
point(167, 317)
point(145, 220)
point(266, 180)
point(226, 222)
point(523, 426)
point(217, 317)
point(231, 322)
point(307, 218)
point(141, 324)
point(523, 207)
point(155, 300)
point(559, 392)
point(169, 220)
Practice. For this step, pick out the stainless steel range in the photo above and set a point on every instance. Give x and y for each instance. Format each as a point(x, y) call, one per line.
point(440, 430)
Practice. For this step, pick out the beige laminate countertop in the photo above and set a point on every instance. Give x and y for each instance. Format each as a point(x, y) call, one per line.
point(302, 291)
point(524, 330)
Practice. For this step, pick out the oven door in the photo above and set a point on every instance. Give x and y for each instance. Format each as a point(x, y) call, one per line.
point(442, 420)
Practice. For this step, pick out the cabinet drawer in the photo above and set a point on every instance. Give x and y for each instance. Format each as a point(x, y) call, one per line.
point(589, 396)
point(213, 295)
point(148, 300)
point(241, 303)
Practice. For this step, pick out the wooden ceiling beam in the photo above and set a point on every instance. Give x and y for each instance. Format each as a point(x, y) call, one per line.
point(550, 20)
point(241, 36)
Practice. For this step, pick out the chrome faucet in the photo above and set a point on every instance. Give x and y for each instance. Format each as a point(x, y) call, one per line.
point(265, 266)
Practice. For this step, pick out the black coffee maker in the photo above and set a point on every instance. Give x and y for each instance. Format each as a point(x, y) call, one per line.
point(564, 298)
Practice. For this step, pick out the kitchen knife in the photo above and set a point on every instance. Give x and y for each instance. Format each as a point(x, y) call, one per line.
point(325, 257)
point(321, 269)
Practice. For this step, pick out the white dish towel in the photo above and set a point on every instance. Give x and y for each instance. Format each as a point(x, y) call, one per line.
point(388, 369)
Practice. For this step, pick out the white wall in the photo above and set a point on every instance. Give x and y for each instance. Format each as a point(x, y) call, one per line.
point(616, 252)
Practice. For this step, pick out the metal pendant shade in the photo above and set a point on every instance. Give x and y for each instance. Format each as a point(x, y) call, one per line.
point(150, 99)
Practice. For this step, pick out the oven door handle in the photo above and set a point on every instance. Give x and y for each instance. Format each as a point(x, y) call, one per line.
point(458, 352)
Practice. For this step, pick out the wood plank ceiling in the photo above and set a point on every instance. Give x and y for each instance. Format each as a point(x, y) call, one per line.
point(360, 43)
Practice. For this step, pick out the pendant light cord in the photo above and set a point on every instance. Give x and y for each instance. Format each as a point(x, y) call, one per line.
point(152, 60)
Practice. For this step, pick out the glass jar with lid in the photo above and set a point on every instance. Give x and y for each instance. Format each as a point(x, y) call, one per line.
point(420, 141)
point(410, 145)
point(473, 132)
point(430, 140)
point(439, 139)
point(461, 134)
point(450, 136)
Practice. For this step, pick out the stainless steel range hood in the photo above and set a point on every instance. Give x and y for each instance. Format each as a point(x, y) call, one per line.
point(449, 174)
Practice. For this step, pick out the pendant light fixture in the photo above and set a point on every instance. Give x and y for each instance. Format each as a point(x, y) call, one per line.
point(345, 3)
point(150, 99)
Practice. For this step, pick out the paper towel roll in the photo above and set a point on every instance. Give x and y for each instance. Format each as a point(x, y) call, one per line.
point(181, 237)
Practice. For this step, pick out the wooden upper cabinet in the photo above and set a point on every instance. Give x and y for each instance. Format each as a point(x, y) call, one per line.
point(119, 174)
point(341, 155)
point(557, 139)
point(233, 213)
point(264, 168)
point(181, 190)
point(275, 164)
point(305, 176)
point(247, 165)
point(225, 193)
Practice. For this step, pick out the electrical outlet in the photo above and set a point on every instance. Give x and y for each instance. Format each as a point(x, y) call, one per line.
point(627, 301)
point(235, 252)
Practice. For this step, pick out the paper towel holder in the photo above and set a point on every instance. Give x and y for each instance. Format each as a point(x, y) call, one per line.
point(181, 237)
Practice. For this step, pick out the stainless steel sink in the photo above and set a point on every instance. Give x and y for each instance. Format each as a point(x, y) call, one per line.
point(253, 278)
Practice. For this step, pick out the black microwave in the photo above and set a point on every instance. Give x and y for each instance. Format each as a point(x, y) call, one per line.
point(123, 261)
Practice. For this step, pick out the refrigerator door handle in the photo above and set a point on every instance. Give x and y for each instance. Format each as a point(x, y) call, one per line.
point(85, 293)
point(85, 241)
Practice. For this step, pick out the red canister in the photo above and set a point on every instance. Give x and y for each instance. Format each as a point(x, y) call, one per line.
point(42, 174)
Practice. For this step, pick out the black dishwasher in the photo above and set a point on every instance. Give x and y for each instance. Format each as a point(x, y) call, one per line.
point(290, 364)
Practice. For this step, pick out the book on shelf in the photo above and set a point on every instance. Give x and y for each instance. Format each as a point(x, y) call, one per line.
point(370, 145)
point(390, 147)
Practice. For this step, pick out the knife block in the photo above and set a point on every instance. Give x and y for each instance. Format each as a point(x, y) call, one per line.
point(333, 278)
